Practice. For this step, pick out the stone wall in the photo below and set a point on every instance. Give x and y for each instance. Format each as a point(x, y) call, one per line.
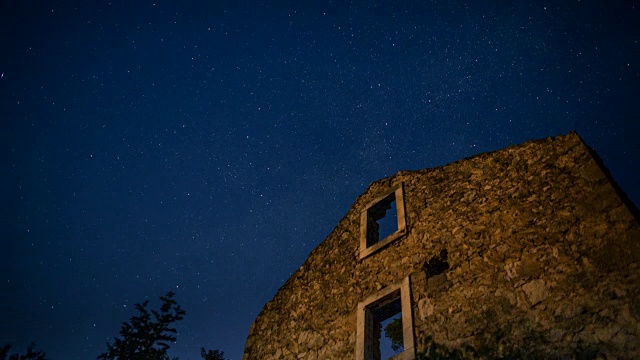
point(543, 256)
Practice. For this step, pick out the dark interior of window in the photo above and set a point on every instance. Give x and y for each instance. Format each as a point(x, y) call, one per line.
point(382, 219)
point(385, 337)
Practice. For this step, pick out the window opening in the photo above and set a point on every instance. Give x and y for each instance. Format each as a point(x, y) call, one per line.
point(385, 325)
point(382, 219)
point(378, 313)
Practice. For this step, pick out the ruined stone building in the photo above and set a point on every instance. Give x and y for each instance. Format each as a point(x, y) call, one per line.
point(528, 250)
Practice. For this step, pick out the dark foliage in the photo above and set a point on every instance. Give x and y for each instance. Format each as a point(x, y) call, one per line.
point(500, 348)
point(393, 331)
point(434, 351)
point(496, 346)
point(212, 354)
point(148, 334)
point(31, 354)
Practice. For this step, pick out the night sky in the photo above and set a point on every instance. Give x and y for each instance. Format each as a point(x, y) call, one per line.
point(206, 147)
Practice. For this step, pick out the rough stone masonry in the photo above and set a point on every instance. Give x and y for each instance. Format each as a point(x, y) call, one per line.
point(542, 255)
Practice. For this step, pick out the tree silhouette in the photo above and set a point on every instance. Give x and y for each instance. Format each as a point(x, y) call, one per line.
point(147, 335)
point(30, 355)
point(212, 354)
point(393, 331)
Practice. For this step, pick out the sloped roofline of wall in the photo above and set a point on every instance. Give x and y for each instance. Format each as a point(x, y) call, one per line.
point(358, 202)
point(623, 195)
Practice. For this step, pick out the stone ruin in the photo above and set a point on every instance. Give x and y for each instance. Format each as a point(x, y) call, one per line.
point(531, 251)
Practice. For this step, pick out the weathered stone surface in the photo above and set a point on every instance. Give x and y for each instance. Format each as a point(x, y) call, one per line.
point(540, 248)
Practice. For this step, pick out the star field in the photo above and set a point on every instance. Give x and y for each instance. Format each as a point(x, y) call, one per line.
point(207, 147)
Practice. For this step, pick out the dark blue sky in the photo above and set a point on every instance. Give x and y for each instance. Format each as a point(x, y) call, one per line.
point(206, 147)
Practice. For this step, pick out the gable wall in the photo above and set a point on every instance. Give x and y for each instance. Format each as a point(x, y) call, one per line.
point(538, 243)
